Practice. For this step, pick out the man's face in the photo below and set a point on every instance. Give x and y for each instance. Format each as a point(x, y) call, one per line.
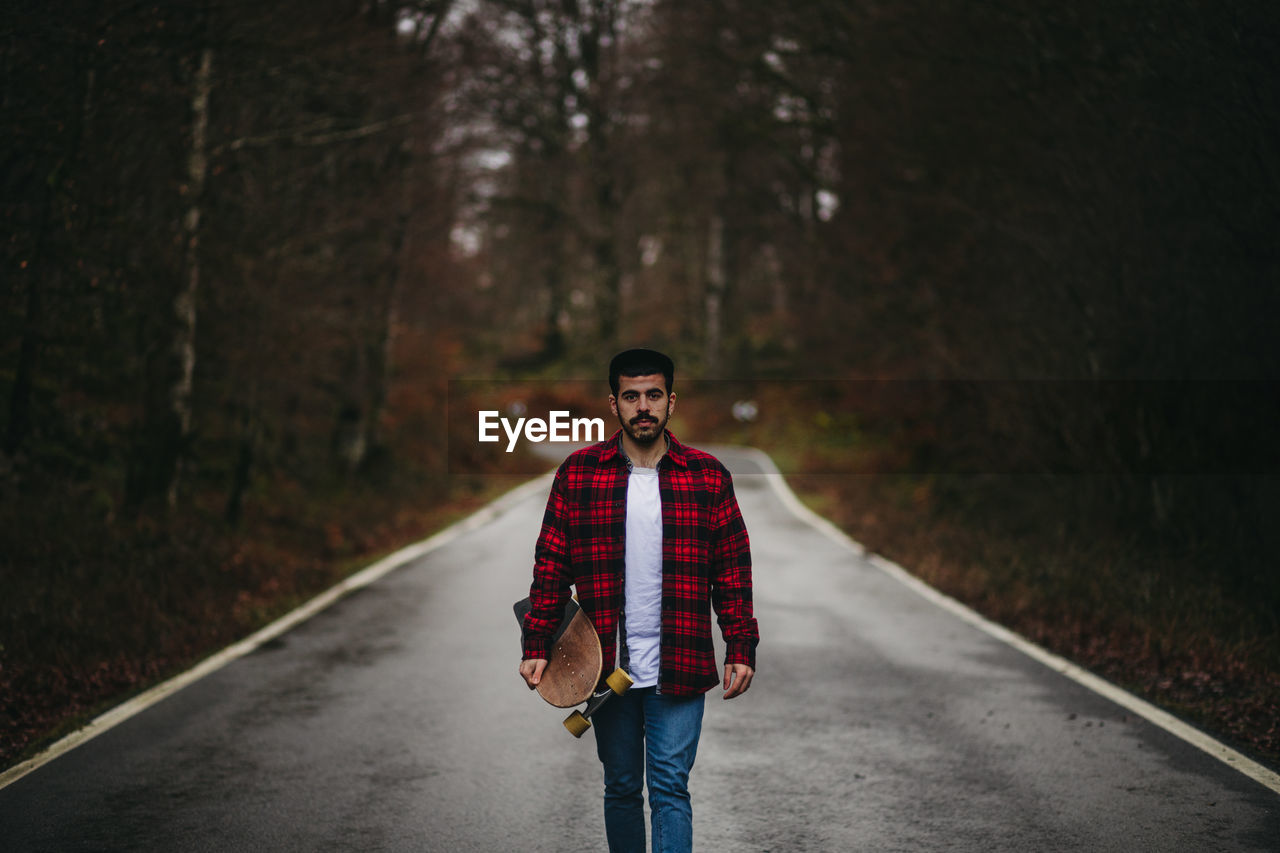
point(643, 406)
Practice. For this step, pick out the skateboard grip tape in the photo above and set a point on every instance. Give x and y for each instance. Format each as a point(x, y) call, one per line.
point(523, 606)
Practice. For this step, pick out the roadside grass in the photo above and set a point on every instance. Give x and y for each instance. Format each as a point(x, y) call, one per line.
point(1143, 620)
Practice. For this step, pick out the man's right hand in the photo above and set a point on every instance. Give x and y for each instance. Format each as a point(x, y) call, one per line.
point(531, 671)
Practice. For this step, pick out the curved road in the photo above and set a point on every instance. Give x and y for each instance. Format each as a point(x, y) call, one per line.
point(394, 720)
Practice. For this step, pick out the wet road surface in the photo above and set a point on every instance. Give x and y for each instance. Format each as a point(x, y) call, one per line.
point(395, 721)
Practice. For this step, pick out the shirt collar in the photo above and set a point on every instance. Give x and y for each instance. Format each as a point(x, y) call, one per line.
point(675, 450)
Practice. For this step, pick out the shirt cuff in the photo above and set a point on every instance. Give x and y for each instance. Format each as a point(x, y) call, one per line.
point(537, 647)
point(740, 652)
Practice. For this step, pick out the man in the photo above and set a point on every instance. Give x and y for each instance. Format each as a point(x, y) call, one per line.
point(648, 531)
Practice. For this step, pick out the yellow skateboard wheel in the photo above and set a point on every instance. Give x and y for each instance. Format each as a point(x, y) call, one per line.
point(577, 724)
point(619, 682)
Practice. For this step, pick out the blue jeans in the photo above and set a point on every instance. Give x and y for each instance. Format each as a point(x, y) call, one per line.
point(638, 731)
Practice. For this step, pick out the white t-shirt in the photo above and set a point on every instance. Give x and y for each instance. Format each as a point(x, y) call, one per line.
point(644, 575)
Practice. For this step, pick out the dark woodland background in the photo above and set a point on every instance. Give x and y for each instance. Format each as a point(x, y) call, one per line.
point(1024, 256)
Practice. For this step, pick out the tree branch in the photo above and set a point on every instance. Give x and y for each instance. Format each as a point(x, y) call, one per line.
point(306, 135)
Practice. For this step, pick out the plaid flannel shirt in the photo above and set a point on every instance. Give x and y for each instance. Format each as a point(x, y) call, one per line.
point(706, 561)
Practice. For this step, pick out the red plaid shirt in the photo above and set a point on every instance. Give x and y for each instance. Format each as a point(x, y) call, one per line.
point(706, 561)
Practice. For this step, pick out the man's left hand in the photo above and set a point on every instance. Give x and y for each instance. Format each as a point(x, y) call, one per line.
point(737, 678)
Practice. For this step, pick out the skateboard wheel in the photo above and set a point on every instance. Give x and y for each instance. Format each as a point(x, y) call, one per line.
point(619, 682)
point(576, 724)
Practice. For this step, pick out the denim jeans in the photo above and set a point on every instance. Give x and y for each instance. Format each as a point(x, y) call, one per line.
point(642, 731)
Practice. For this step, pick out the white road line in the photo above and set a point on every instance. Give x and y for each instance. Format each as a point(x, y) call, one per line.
point(1121, 697)
point(217, 661)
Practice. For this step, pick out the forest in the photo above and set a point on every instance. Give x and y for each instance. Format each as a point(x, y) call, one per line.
point(1001, 277)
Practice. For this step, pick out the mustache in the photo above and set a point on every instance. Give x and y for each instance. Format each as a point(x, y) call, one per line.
point(644, 419)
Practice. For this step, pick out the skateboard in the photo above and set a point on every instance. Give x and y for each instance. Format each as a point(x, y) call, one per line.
point(573, 670)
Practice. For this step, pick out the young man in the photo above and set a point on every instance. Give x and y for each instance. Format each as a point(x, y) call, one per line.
point(648, 531)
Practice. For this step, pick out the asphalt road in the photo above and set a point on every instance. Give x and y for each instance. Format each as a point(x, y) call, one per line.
point(877, 721)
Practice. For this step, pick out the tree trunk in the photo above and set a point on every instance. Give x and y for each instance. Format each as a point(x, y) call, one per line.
point(382, 338)
point(553, 274)
point(242, 474)
point(184, 306)
point(597, 42)
point(717, 278)
point(157, 464)
point(360, 415)
point(608, 302)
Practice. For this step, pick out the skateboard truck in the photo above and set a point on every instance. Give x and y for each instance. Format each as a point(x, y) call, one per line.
point(579, 721)
point(573, 671)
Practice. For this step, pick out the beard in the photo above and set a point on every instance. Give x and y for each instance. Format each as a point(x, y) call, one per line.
point(646, 429)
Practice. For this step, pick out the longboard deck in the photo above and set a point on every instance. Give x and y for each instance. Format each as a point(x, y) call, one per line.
point(575, 665)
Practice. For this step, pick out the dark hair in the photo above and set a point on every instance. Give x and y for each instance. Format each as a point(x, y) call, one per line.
point(640, 362)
